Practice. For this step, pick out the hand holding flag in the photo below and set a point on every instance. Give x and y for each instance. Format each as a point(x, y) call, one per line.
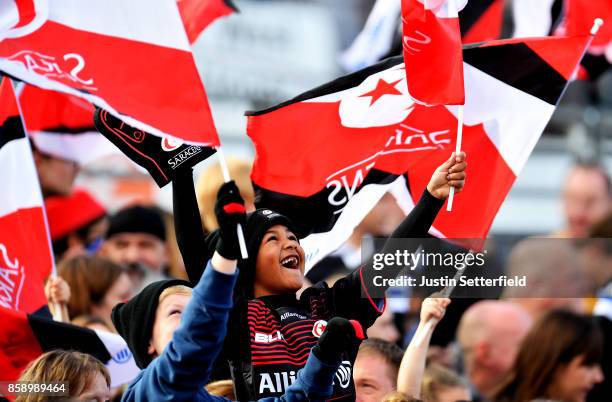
point(433, 56)
point(355, 146)
point(57, 292)
point(451, 174)
point(230, 212)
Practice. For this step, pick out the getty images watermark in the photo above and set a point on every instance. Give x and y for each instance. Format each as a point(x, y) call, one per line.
point(429, 265)
point(457, 260)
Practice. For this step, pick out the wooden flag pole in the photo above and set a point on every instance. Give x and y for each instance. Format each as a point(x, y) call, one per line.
point(451, 195)
point(226, 178)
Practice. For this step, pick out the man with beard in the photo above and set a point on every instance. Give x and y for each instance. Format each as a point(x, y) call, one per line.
point(136, 238)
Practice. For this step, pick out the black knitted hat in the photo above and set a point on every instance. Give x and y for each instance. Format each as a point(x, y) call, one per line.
point(137, 219)
point(257, 224)
point(134, 320)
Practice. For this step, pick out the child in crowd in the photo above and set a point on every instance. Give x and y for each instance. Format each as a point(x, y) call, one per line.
point(271, 331)
point(85, 378)
point(175, 332)
point(441, 384)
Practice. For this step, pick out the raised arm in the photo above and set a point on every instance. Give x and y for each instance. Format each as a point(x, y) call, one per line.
point(188, 225)
point(411, 370)
point(420, 219)
point(183, 367)
point(417, 224)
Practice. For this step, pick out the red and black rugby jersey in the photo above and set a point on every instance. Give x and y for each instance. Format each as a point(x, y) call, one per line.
point(281, 330)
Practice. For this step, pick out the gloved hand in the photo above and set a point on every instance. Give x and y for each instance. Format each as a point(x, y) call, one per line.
point(230, 211)
point(340, 335)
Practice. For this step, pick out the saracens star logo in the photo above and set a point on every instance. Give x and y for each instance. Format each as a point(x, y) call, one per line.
point(318, 328)
point(170, 144)
point(381, 100)
point(22, 17)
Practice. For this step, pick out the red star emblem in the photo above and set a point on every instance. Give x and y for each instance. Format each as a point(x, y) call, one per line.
point(382, 88)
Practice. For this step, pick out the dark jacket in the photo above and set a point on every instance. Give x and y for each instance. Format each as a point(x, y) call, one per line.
point(182, 370)
point(264, 349)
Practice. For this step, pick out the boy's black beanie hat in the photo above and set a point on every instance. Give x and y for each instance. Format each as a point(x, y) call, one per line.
point(257, 224)
point(134, 320)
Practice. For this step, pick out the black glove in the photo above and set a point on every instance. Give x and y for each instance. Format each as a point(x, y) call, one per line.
point(341, 335)
point(230, 211)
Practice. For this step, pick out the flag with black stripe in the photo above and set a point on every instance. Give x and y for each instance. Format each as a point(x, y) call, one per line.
point(481, 20)
point(61, 125)
point(24, 337)
point(326, 157)
point(162, 157)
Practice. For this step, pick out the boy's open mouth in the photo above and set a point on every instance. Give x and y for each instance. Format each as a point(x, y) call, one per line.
point(291, 261)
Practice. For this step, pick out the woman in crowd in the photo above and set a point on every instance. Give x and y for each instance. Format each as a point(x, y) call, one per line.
point(559, 360)
point(96, 285)
point(271, 331)
point(85, 377)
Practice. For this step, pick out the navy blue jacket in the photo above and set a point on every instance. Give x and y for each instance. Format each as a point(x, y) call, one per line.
point(182, 370)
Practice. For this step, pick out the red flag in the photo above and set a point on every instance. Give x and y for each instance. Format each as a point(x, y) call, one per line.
point(198, 14)
point(24, 337)
point(25, 256)
point(131, 58)
point(432, 51)
point(62, 125)
point(481, 20)
point(579, 19)
point(18, 344)
point(358, 134)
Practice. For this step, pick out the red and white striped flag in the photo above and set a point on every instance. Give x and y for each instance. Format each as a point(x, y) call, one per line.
point(25, 255)
point(432, 51)
point(131, 58)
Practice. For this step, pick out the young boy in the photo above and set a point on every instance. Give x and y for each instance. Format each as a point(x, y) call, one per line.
point(271, 331)
point(175, 333)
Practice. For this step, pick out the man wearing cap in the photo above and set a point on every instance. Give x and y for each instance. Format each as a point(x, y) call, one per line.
point(136, 238)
